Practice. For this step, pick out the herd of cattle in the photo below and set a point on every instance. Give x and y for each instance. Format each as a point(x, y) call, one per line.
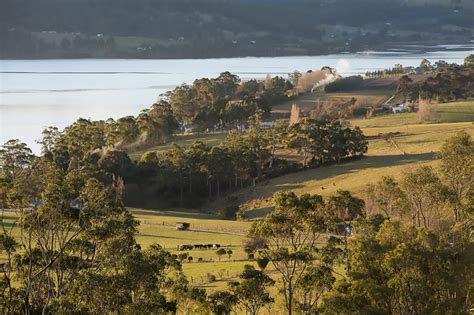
point(197, 246)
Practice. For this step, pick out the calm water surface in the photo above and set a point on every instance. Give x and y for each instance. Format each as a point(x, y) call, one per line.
point(35, 94)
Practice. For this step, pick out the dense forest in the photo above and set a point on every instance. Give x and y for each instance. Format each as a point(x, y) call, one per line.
point(219, 28)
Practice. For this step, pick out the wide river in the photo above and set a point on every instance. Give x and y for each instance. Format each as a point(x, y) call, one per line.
point(35, 94)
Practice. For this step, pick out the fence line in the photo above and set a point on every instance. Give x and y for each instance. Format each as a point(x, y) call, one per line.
point(194, 228)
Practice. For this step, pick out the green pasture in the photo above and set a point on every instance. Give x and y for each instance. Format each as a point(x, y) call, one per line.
point(309, 100)
point(409, 146)
point(442, 113)
point(210, 139)
point(159, 227)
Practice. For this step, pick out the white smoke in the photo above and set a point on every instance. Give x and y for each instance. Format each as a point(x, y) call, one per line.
point(330, 77)
point(343, 66)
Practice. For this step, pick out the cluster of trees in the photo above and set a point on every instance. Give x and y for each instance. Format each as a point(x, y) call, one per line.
point(86, 43)
point(188, 174)
point(401, 269)
point(427, 197)
point(445, 82)
point(69, 244)
point(225, 102)
point(397, 70)
point(156, 125)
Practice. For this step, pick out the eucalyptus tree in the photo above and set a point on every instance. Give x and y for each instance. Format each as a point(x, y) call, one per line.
point(457, 171)
point(346, 207)
point(319, 278)
point(221, 302)
point(162, 115)
point(401, 269)
point(300, 139)
point(292, 232)
point(197, 159)
point(405, 86)
point(14, 155)
point(258, 146)
point(387, 197)
point(84, 136)
point(426, 196)
point(183, 103)
point(276, 136)
point(239, 155)
point(50, 136)
point(218, 160)
point(178, 159)
point(251, 291)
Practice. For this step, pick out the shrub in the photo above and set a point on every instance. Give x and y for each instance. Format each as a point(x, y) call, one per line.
point(229, 212)
point(221, 252)
point(211, 277)
point(345, 84)
point(262, 262)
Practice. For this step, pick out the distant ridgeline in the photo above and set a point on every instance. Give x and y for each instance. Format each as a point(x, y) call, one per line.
point(219, 28)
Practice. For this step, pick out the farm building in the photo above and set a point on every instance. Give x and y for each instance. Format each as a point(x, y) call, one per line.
point(402, 108)
point(182, 226)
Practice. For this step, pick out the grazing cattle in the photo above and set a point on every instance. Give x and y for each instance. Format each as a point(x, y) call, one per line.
point(197, 246)
point(184, 247)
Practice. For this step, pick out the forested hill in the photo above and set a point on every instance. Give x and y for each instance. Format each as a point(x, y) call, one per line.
point(220, 28)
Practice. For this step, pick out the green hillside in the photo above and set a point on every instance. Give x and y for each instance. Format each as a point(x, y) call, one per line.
point(411, 143)
point(218, 28)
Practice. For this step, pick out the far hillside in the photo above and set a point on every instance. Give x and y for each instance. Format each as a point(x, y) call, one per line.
point(218, 28)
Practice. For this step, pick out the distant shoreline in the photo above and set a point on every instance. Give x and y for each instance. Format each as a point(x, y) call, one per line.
point(398, 47)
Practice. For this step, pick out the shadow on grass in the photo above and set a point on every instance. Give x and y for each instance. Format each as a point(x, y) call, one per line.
point(366, 163)
point(258, 212)
point(176, 214)
point(160, 236)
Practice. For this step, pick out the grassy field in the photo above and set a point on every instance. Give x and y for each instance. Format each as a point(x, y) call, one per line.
point(411, 146)
point(444, 113)
point(209, 139)
point(308, 101)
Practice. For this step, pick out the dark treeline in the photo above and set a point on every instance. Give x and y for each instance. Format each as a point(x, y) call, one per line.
point(187, 176)
point(445, 82)
point(398, 70)
point(217, 28)
point(350, 83)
